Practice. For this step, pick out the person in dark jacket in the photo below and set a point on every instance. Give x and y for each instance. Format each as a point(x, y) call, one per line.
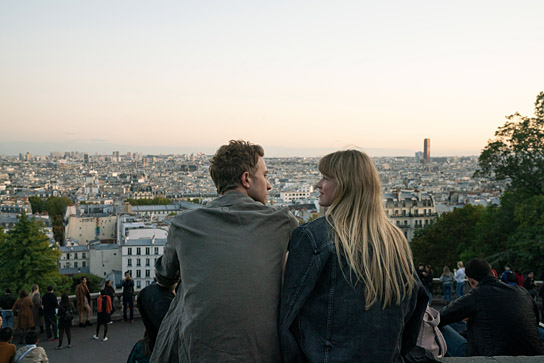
point(6, 303)
point(502, 318)
point(529, 284)
point(66, 314)
point(110, 291)
point(351, 293)
point(50, 304)
point(128, 298)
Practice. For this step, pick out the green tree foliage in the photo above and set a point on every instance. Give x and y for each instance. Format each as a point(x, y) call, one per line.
point(154, 201)
point(26, 258)
point(56, 207)
point(451, 236)
point(517, 152)
point(38, 205)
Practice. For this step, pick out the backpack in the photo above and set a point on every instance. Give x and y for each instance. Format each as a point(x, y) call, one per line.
point(103, 306)
point(430, 336)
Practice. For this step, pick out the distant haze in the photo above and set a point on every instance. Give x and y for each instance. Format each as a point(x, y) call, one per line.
point(300, 78)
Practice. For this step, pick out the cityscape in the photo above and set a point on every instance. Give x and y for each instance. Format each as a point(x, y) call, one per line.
point(105, 235)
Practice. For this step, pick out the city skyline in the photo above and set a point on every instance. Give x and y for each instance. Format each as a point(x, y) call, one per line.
point(301, 79)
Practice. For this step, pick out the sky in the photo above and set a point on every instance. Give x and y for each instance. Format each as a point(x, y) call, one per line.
point(301, 78)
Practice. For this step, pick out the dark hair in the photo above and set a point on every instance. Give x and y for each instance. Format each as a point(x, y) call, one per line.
point(8, 291)
point(49, 288)
point(23, 294)
point(83, 277)
point(31, 337)
point(65, 300)
point(477, 269)
point(231, 161)
point(6, 334)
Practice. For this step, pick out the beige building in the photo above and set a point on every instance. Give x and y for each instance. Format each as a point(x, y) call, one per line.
point(87, 229)
point(410, 210)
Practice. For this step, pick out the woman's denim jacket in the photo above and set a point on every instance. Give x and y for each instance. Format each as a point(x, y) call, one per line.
point(323, 316)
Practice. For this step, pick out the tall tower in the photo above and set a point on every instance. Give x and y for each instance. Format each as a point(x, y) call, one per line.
point(426, 150)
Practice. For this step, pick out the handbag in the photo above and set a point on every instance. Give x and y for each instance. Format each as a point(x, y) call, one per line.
point(430, 336)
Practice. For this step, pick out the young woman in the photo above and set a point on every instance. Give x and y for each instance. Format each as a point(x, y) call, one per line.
point(447, 284)
point(104, 307)
point(459, 277)
point(22, 309)
point(37, 309)
point(66, 314)
point(350, 292)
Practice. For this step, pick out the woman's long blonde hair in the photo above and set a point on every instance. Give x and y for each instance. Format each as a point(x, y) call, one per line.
point(34, 290)
point(376, 251)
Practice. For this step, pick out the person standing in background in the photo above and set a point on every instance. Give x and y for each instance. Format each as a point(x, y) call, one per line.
point(128, 297)
point(22, 309)
point(37, 309)
point(459, 276)
point(6, 303)
point(83, 298)
point(50, 305)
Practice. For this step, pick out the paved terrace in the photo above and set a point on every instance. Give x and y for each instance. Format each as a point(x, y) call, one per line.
point(123, 336)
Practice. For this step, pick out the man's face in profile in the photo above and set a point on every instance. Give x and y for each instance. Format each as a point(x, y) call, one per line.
point(259, 188)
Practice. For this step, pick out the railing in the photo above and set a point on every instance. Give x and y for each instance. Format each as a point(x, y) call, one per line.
point(117, 304)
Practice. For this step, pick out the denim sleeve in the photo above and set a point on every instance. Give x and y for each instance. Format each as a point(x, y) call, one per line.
point(304, 265)
point(167, 266)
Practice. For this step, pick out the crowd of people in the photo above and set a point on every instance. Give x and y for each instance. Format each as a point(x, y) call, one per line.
point(241, 280)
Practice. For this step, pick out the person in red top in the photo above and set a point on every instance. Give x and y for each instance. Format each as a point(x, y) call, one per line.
point(519, 277)
point(104, 308)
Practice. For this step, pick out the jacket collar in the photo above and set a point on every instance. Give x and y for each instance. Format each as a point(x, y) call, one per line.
point(233, 197)
point(487, 280)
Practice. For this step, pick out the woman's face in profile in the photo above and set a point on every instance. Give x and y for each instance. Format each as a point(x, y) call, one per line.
point(326, 187)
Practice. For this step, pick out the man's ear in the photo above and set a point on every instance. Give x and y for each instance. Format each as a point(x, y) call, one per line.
point(245, 179)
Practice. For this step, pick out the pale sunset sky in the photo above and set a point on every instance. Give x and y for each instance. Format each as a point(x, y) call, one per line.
point(300, 78)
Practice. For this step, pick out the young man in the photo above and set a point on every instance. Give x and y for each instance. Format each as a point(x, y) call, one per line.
point(229, 256)
point(50, 304)
point(7, 350)
point(502, 318)
point(31, 353)
point(128, 297)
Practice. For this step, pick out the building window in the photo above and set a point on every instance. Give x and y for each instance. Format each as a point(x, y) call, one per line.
point(147, 273)
point(147, 261)
point(138, 262)
point(129, 262)
point(156, 250)
point(138, 251)
point(138, 284)
point(67, 256)
point(75, 256)
point(83, 255)
point(138, 273)
point(147, 250)
point(129, 251)
point(67, 264)
point(84, 264)
point(130, 272)
point(147, 283)
point(75, 264)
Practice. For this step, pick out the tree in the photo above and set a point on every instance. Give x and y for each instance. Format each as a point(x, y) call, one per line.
point(37, 204)
point(517, 152)
point(26, 258)
point(450, 237)
point(56, 207)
